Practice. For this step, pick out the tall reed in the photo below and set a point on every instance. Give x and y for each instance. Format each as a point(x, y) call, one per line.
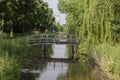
point(9, 68)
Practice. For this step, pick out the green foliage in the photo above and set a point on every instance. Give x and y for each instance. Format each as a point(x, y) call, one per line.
point(116, 32)
point(23, 15)
point(19, 49)
point(98, 23)
point(82, 52)
point(16, 47)
point(60, 27)
point(74, 11)
point(109, 58)
point(9, 68)
point(116, 21)
point(14, 54)
point(90, 19)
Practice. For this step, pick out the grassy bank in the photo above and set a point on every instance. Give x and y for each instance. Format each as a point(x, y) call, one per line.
point(104, 56)
point(13, 53)
point(107, 55)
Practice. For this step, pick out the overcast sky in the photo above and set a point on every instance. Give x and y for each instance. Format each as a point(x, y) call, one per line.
point(59, 16)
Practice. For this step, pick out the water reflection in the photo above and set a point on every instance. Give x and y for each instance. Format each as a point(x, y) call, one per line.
point(28, 76)
point(59, 51)
point(54, 69)
point(51, 70)
point(79, 72)
point(40, 70)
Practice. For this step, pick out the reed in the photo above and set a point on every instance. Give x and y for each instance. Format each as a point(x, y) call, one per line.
point(14, 53)
point(9, 68)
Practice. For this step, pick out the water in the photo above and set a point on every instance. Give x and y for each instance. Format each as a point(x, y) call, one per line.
point(59, 51)
point(53, 70)
point(40, 70)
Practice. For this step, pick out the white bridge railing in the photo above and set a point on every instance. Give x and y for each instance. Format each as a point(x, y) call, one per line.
point(54, 38)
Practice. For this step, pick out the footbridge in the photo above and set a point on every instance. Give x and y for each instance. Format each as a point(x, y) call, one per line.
point(49, 39)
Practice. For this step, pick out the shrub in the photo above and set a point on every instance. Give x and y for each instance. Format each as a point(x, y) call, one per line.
point(110, 60)
point(9, 69)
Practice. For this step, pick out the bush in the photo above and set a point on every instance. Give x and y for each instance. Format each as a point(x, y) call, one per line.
point(9, 69)
point(110, 60)
point(12, 52)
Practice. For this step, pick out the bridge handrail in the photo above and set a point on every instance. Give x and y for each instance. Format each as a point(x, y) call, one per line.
point(53, 38)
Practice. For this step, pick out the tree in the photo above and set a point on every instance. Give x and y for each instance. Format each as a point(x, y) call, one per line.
point(74, 11)
point(116, 21)
point(90, 18)
point(24, 16)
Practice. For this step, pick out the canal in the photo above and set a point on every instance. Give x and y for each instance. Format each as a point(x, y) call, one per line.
point(40, 70)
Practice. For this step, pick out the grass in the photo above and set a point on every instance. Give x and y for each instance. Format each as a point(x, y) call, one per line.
point(11, 56)
point(14, 54)
point(9, 68)
point(109, 58)
point(106, 55)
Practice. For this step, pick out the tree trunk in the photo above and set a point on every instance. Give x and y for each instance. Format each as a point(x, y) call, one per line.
point(11, 31)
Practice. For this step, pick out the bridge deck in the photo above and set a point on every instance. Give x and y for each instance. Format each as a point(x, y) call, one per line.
point(53, 39)
point(53, 42)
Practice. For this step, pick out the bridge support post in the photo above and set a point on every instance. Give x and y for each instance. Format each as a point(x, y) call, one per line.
point(73, 52)
point(44, 49)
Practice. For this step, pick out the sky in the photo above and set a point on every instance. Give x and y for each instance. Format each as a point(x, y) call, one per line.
point(60, 17)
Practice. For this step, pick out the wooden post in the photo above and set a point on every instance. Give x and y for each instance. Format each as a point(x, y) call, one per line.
point(73, 52)
point(44, 48)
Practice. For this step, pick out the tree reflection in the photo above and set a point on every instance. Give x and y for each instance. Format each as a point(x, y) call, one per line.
point(28, 76)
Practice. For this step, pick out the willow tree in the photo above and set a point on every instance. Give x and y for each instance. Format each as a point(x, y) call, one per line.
point(90, 18)
point(96, 22)
point(116, 21)
point(74, 11)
